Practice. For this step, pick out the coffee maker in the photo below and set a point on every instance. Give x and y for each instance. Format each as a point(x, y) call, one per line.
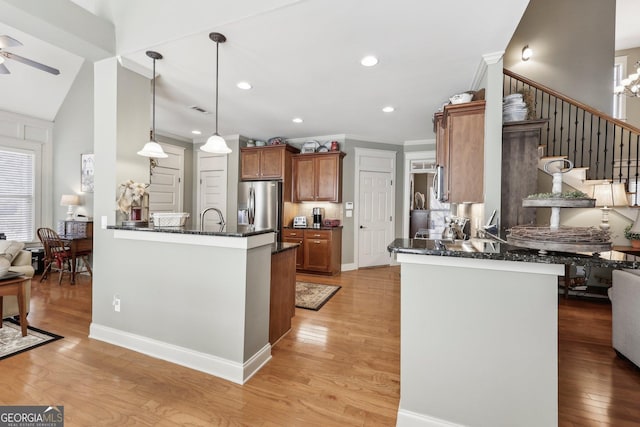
point(318, 213)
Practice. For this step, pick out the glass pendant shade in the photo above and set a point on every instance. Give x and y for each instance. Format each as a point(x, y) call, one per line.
point(216, 145)
point(153, 149)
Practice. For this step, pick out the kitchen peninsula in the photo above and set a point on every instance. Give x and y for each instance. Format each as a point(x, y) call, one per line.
point(195, 298)
point(479, 332)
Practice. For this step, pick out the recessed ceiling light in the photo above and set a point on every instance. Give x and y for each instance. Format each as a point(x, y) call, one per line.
point(244, 85)
point(297, 120)
point(196, 132)
point(388, 109)
point(369, 61)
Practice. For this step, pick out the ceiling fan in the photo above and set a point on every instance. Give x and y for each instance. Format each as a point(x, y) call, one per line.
point(6, 41)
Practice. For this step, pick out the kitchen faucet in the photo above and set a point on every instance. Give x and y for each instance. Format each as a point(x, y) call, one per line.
point(221, 222)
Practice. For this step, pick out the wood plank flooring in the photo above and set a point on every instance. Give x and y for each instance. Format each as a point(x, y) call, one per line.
point(337, 367)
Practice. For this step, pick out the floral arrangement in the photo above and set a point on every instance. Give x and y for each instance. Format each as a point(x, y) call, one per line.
point(629, 235)
point(130, 194)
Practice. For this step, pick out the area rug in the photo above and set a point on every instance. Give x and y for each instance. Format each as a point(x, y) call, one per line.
point(12, 342)
point(312, 296)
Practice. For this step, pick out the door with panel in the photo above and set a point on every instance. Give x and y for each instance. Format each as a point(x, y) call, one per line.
point(213, 194)
point(166, 189)
point(375, 218)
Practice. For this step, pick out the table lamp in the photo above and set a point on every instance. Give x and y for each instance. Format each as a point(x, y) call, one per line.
point(609, 195)
point(70, 200)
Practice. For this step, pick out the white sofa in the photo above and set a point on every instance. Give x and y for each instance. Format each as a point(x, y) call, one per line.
point(625, 307)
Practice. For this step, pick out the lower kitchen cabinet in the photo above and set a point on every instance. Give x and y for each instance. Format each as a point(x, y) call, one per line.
point(295, 236)
point(320, 250)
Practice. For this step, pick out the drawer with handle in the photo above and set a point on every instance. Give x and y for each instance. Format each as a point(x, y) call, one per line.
point(317, 234)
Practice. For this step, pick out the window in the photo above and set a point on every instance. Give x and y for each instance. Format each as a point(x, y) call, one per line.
point(17, 193)
point(619, 101)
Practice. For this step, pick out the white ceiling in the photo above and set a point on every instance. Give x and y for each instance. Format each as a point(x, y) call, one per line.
point(627, 28)
point(301, 56)
point(28, 90)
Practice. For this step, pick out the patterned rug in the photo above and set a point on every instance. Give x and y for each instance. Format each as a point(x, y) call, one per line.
point(312, 296)
point(12, 342)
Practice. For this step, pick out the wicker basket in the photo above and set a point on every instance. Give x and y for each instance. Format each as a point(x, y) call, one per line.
point(169, 219)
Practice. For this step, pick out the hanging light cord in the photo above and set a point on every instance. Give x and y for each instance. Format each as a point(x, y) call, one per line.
point(153, 115)
point(217, 49)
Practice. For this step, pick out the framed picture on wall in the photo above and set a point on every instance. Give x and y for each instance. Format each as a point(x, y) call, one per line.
point(86, 174)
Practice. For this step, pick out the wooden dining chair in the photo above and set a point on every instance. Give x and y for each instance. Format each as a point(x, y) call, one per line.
point(57, 256)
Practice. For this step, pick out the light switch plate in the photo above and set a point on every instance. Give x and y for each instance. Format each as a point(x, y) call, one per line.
point(349, 213)
point(348, 205)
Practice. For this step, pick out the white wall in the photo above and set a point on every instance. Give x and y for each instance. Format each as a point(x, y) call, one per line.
point(73, 136)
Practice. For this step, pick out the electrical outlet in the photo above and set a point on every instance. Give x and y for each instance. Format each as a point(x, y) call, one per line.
point(116, 303)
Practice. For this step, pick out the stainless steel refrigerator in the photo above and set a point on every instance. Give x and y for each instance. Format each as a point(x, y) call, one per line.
point(260, 203)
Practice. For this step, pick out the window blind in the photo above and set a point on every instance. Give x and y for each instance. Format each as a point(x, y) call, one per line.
point(17, 195)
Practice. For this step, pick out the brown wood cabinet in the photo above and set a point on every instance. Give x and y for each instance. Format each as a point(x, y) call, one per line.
point(317, 177)
point(282, 304)
point(520, 141)
point(320, 250)
point(460, 149)
point(295, 236)
point(268, 162)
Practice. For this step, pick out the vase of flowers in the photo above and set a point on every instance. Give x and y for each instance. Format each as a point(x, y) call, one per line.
point(131, 197)
point(632, 236)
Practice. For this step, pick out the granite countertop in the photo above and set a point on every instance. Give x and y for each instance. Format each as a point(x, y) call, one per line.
point(227, 231)
point(311, 228)
point(492, 250)
point(283, 246)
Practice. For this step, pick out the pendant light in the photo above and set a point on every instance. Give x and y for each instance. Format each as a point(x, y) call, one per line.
point(152, 148)
point(216, 144)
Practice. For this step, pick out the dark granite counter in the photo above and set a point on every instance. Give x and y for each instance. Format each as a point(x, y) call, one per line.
point(312, 228)
point(491, 250)
point(226, 231)
point(283, 246)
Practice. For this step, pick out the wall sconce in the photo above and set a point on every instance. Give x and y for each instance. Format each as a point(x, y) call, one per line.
point(527, 53)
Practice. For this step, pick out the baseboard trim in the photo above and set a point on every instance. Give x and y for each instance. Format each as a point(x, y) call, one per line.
point(413, 419)
point(348, 267)
point(238, 373)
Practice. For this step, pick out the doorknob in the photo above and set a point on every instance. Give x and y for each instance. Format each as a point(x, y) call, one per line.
point(362, 226)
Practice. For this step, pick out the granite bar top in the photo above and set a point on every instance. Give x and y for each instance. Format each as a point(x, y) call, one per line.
point(283, 246)
point(227, 231)
point(492, 250)
point(312, 228)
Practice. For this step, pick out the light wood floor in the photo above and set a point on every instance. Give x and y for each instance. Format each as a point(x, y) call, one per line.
point(337, 367)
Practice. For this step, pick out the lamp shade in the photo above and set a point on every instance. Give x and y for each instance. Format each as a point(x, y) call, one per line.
point(153, 149)
point(69, 200)
point(609, 194)
point(216, 145)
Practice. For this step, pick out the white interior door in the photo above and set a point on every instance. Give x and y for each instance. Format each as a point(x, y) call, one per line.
point(213, 194)
point(375, 218)
point(166, 189)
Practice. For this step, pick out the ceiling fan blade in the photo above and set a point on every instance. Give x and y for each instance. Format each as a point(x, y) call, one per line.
point(6, 41)
point(4, 70)
point(27, 61)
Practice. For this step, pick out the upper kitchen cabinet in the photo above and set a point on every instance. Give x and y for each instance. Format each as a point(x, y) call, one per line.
point(460, 149)
point(318, 177)
point(271, 162)
point(268, 162)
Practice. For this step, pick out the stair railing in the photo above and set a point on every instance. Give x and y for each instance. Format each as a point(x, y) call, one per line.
point(608, 147)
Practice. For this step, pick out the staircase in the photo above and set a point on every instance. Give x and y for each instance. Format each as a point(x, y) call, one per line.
point(599, 146)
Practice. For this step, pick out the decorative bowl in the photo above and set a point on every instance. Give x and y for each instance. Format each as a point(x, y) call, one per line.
point(461, 98)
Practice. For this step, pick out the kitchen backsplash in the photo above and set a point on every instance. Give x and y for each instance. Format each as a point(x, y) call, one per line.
point(331, 210)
